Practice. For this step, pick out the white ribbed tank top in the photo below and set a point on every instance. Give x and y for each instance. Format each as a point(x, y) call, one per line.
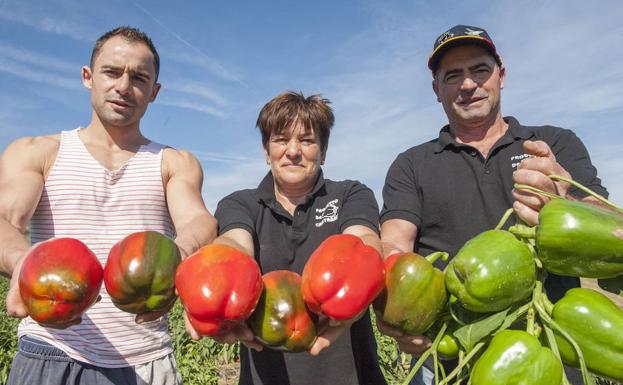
point(83, 200)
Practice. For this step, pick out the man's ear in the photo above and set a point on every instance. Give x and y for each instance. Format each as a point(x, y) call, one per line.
point(87, 77)
point(323, 154)
point(154, 92)
point(436, 89)
point(502, 76)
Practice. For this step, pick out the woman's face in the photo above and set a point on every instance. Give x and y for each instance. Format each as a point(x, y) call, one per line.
point(295, 157)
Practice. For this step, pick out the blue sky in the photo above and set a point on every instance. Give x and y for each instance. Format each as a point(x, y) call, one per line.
point(221, 61)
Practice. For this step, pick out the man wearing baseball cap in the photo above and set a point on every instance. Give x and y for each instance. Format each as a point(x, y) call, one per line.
point(441, 193)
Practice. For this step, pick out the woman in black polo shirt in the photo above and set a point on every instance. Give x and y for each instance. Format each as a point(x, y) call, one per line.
point(282, 221)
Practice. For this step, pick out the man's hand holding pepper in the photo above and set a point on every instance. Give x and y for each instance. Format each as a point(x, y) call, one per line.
point(534, 172)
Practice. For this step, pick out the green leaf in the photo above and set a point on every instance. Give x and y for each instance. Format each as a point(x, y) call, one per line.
point(513, 317)
point(469, 335)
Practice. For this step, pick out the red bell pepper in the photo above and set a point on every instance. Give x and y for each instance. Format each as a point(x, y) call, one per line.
point(219, 287)
point(342, 277)
point(140, 272)
point(59, 280)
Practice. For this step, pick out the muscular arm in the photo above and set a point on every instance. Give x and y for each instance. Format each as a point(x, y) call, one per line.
point(238, 239)
point(367, 235)
point(194, 224)
point(397, 236)
point(22, 169)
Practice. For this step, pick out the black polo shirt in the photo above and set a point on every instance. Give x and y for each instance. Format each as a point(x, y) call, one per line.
point(451, 193)
point(285, 242)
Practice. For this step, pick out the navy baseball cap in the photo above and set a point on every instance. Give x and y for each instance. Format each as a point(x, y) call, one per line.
point(461, 35)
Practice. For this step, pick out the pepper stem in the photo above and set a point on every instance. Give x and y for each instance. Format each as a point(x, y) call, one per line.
point(551, 342)
point(523, 231)
point(432, 257)
point(590, 192)
point(424, 356)
point(530, 321)
point(460, 367)
point(504, 218)
point(526, 187)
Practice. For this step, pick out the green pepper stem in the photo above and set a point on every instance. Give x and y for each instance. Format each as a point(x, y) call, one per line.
point(460, 367)
point(504, 218)
point(551, 342)
point(424, 356)
point(523, 231)
point(551, 323)
point(548, 306)
point(526, 187)
point(530, 321)
point(590, 192)
point(432, 257)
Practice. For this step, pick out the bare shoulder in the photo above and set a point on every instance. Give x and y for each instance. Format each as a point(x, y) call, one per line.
point(180, 162)
point(32, 152)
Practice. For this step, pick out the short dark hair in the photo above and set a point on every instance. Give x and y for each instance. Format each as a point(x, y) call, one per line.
point(132, 35)
point(313, 112)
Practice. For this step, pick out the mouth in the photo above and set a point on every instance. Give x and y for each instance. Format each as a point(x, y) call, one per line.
point(120, 103)
point(470, 101)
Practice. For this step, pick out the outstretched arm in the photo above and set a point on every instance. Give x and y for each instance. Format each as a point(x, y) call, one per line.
point(22, 169)
point(194, 224)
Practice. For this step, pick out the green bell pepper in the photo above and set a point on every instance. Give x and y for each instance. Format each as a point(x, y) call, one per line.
point(596, 325)
point(414, 293)
point(281, 321)
point(578, 239)
point(491, 272)
point(515, 357)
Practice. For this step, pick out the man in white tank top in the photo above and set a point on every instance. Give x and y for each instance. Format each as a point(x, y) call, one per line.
point(99, 184)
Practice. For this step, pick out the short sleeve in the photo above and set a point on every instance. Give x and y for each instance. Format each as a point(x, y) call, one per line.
point(359, 208)
point(572, 155)
point(234, 212)
point(401, 195)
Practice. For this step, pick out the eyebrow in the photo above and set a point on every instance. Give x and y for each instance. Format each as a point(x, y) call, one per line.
point(471, 68)
point(132, 72)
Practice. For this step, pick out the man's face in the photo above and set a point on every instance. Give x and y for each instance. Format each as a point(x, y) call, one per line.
point(122, 82)
point(468, 83)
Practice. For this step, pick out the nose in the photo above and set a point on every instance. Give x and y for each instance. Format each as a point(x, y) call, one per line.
point(122, 85)
point(468, 84)
point(293, 149)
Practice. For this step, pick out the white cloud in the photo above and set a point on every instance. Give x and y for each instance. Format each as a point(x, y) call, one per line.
point(198, 59)
point(40, 76)
point(191, 87)
point(39, 16)
point(37, 59)
point(190, 105)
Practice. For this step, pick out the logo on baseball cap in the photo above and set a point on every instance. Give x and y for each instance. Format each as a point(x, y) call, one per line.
point(461, 35)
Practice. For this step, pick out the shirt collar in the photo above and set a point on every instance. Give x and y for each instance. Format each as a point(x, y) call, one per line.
point(266, 189)
point(515, 131)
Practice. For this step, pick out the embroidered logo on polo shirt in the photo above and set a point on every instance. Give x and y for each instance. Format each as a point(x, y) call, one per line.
point(327, 213)
point(516, 159)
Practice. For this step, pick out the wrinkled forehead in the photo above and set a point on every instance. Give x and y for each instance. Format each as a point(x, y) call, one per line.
point(120, 52)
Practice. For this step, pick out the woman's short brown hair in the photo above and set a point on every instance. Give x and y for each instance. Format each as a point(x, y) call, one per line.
point(313, 112)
